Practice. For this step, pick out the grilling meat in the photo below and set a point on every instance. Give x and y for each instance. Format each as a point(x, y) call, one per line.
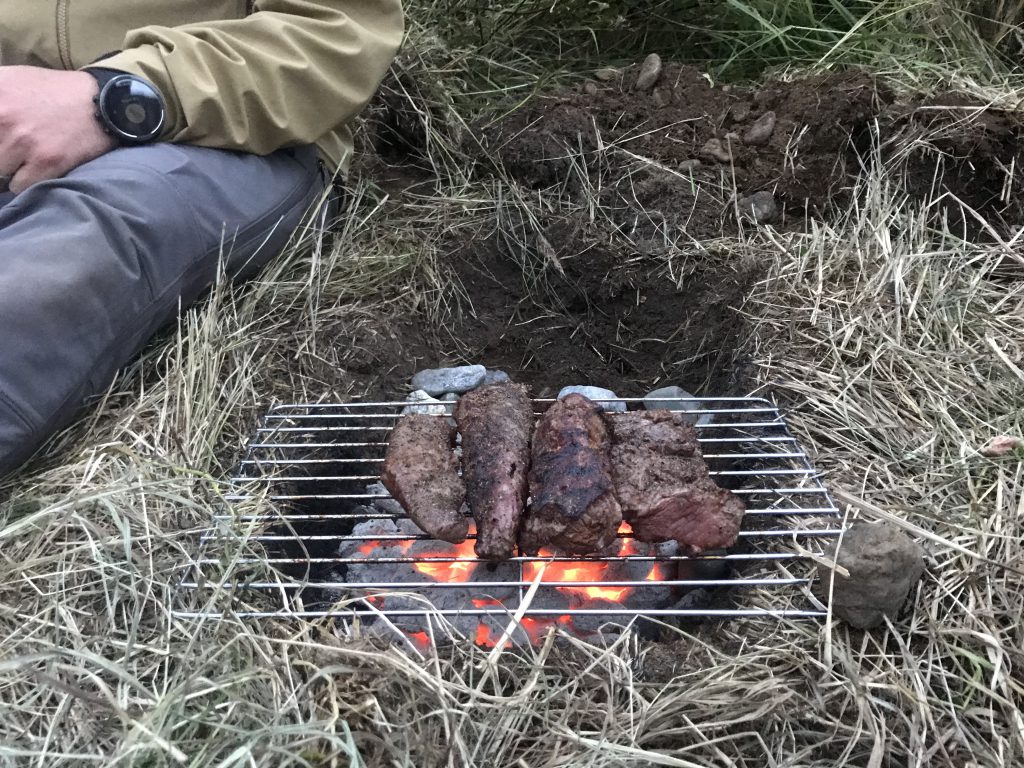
point(421, 472)
point(663, 483)
point(572, 501)
point(495, 422)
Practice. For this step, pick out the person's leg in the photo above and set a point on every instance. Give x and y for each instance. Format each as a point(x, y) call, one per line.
point(93, 264)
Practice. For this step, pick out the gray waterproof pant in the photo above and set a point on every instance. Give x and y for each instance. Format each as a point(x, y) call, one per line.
point(91, 265)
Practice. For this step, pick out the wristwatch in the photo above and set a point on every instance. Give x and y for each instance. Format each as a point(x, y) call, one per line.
point(128, 107)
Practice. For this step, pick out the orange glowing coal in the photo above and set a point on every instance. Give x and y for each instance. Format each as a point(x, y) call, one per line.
point(449, 572)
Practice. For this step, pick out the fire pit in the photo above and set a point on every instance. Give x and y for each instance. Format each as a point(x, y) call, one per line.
point(339, 546)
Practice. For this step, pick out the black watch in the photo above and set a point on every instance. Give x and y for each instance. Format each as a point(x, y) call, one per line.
point(129, 108)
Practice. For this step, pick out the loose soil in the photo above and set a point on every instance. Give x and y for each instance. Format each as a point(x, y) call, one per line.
point(626, 267)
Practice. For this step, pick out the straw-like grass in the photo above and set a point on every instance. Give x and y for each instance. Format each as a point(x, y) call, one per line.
point(894, 344)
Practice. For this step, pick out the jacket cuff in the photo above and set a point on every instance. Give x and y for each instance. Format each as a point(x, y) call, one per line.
point(146, 62)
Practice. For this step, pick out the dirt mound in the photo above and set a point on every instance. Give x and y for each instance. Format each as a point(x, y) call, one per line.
point(618, 266)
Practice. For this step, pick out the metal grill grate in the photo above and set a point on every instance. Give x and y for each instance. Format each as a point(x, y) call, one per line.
point(302, 489)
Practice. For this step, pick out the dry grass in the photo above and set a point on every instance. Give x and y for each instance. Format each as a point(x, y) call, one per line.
point(896, 347)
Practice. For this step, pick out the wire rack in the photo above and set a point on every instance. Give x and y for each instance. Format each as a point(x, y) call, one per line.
point(307, 494)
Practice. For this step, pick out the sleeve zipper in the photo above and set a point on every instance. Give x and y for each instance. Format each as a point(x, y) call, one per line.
point(63, 34)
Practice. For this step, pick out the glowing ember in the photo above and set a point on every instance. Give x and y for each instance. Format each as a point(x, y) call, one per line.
point(420, 639)
point(449, 572)
point(578, 571)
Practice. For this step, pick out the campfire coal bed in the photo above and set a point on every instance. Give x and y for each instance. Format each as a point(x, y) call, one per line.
point(339, 546)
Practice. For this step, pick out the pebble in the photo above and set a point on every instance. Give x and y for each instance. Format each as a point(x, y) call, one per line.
point(596, 394)
point(437, 381)
point(662, 97)
point(713, 149)
point(495, 377)
point(759, 207)
point(650, 71)
point(884, 566)
point(423, 403)
point(687, 166)
point(761, 131)
point(664, 399)
point(590, 88)
point(606, 74)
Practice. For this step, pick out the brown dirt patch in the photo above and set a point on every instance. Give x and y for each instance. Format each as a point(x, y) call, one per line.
point(619, 266)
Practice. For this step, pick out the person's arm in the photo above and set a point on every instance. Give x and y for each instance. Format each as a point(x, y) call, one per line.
point(285, 75)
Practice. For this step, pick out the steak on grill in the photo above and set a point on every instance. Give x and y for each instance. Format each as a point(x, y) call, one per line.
point(421, 472)
point(572, 501)
point(495, 422)
point(663, 484)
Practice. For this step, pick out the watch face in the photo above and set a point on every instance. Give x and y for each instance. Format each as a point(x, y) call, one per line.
point(132, 108)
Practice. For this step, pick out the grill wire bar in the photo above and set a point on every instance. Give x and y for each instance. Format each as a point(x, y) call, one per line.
point(310, 475)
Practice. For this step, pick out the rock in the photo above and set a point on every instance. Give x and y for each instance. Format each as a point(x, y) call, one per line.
point(650, 71)
point(688, 166)
point(495, 377)
point(662, 96)
point(606, 74)
point(388, 506)
point(884, 566)
point(449, 397)
point(663, 399)
point(713, 149)
point(759, 207)
point(590, 88)
point(422, 402)
point(761, 131)
point(596, 394)
point(739, 112)
point(437, 381)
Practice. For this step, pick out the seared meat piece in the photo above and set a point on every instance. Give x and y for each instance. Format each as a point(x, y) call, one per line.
point(495, 422)
point(663, 484)
point(572, 501)
point(421, 472)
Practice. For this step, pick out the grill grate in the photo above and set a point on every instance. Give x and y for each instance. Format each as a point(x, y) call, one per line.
point(301, 490)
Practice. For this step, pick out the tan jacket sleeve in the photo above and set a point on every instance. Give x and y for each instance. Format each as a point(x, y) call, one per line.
point(287, 74)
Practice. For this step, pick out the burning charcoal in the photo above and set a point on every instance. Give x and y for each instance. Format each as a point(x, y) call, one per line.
point(386, 505)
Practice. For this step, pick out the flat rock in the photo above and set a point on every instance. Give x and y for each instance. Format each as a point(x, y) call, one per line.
point(606, 74)
point(437, 381)
point(596, 394)
point(664, 399)
point(495, 377)
point(714, 149)
point(650, 71)
point(422, 402)
point(884, 565)
point(760, 132)
point(759, 207)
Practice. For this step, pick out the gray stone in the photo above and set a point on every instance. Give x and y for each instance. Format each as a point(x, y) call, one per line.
point(714, 149)
point(650, 71)
point(759, 207)
point(425, 404)
point(884, 566)
point(662, 96)
point(495, 377)
point(761, 131)
point(663, 399)
point(437, 381)
point(596, 394)
point(688, 166)
point(449, 397)
point(606, 74)
point(388, 505)
point(590, 88)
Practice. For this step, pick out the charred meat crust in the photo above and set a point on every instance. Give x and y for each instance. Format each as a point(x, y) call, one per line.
point(664, 486)
point(572, 505)
point(421, 472)
point(496, 422)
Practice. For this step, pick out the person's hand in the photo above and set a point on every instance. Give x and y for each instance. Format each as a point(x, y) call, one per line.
point(47, 124)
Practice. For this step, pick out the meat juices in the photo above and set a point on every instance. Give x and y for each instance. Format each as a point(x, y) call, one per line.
point(496, 422)
point(663, 483)
point(572, 501)
point(421, 472)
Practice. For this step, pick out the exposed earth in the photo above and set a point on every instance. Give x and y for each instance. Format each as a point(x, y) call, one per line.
point(623, 261)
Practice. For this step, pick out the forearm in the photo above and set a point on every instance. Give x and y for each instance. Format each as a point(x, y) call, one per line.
point(286, 75)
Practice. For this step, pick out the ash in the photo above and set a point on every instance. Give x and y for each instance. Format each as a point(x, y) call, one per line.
point(477, 599)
